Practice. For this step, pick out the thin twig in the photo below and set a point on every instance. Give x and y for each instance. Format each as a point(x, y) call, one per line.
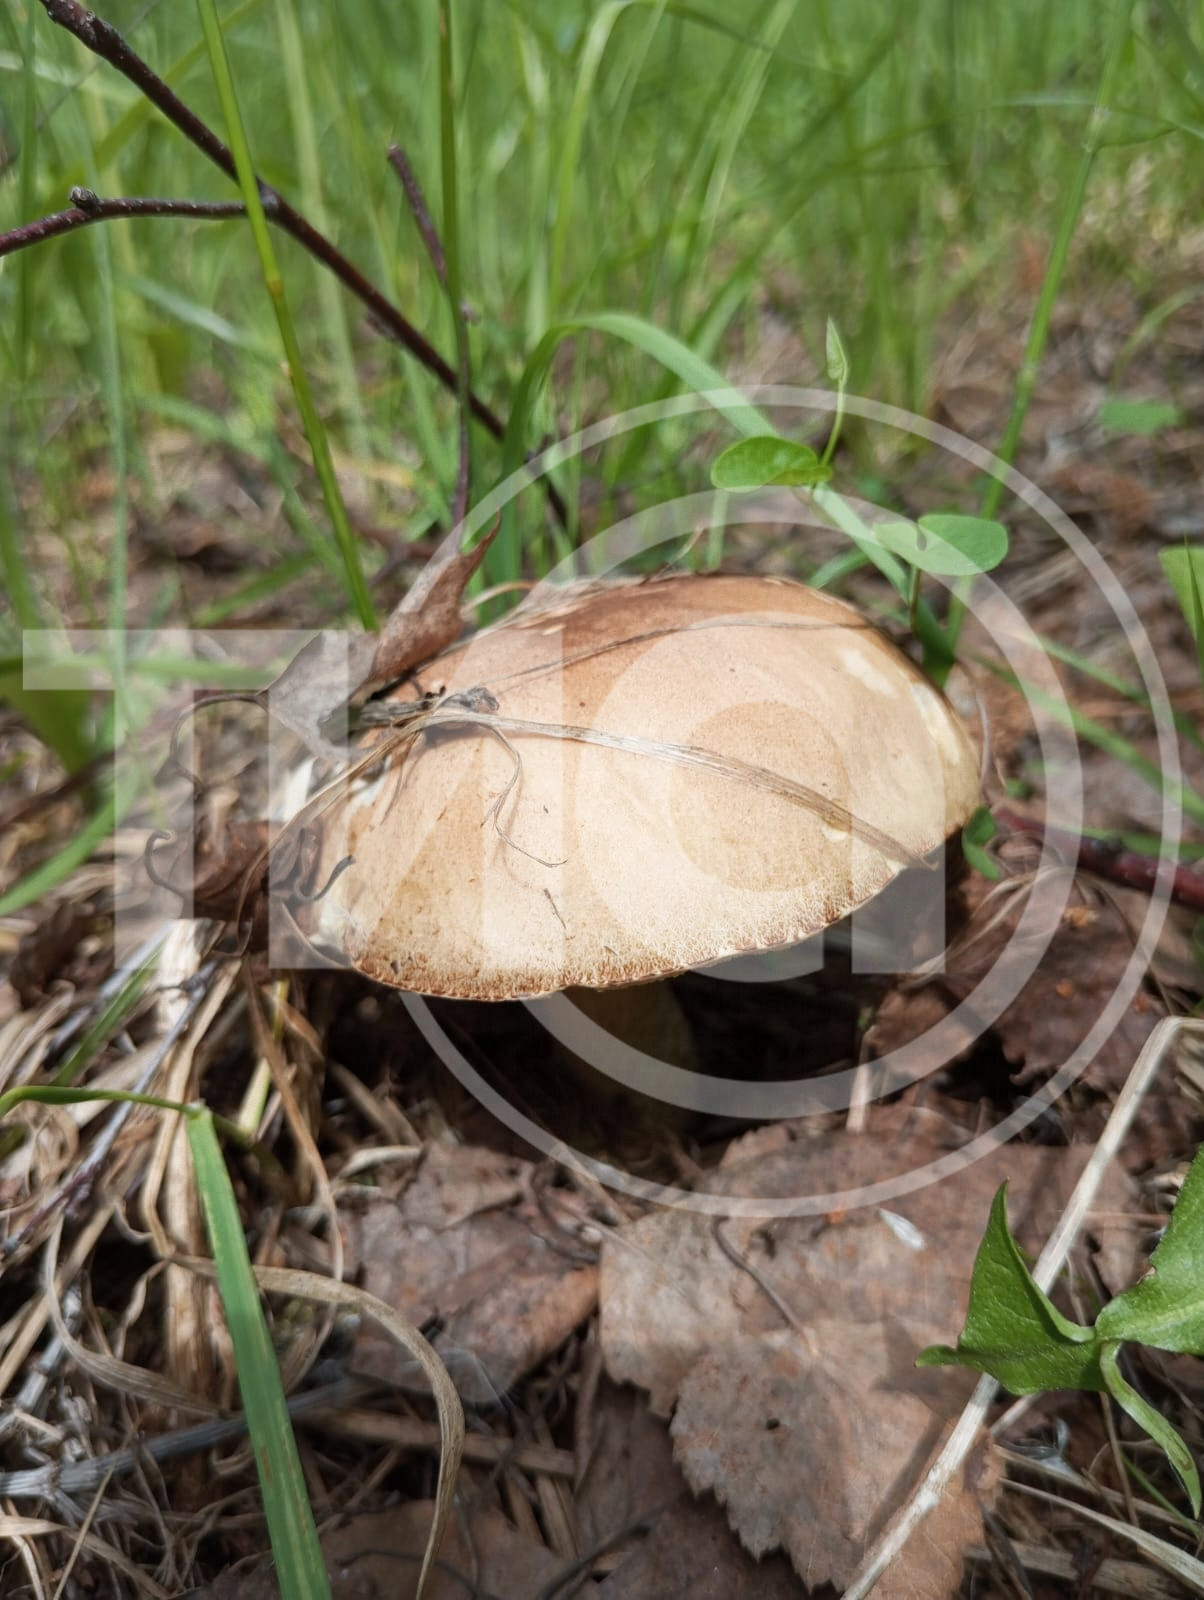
point(425, 223)
point(75, 1478)
point(104, 41)
point(1057, 1249)
point(580, 1568)
point(1108, 859)
point(784, 1310)
point(88, 207)
point(420, 211)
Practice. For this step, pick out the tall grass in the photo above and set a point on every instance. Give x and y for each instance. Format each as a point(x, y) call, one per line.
point(694, 166)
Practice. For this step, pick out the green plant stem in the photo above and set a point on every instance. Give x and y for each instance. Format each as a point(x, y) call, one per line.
point(315, 433)
point(453, 278)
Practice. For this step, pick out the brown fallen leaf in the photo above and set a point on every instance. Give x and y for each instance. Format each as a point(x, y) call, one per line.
point(377, 1557)
point(787, 1347)
point(335, 669)
point(428, 619)
point(1052, 1014)
point(684, 1549)
point(775, 1411)
point(690, 1554)
point(466, 1243)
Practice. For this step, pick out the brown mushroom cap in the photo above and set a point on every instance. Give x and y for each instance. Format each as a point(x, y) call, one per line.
point(607, 865)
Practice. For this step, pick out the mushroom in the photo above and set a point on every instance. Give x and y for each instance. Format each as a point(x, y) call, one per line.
point(635, 779)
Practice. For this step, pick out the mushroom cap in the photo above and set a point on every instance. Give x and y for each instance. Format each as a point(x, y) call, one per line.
point(607, 864)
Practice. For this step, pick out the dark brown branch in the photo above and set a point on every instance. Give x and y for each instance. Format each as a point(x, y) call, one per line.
point(88, 207)
point(1108, 859)
point(104, 41)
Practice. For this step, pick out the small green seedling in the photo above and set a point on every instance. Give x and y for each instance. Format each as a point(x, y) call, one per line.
point(976, 836)
point(1015, 1333)
point(1128, 414)
point(1184, 569)
point(938, 544)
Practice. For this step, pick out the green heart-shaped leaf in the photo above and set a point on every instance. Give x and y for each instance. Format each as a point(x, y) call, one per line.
point(1013, 1330)
point(767, 460)
point(945, 545)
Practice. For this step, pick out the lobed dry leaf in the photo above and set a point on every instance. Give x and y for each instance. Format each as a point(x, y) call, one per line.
point(466, 1243)
point(678, 1547)
point(786, 1348)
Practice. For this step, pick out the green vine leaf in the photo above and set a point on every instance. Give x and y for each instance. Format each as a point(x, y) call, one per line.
point(765, 460)
point(1013, 1330)
point(1166, 1308)
point(946, 546)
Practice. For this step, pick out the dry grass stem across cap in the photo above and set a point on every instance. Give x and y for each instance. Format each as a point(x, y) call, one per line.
point(635, 779)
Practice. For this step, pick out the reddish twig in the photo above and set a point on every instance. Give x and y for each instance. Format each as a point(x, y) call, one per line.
point(1109, 859)
point(88, 207)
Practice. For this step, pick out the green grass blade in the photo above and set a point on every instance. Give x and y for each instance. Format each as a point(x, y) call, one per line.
point(52, 1094)
point(74, 853)
point(1103, 738)
point(451, 229)
point(1154, 1423)
point(357, 588)
point(671, 353)
point(1051, 284)
point(330, 296)
point(112, 1017)
point(300, 1568)
point(25, 265)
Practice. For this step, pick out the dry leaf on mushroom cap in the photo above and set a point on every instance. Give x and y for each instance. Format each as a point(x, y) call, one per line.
point(658, 776)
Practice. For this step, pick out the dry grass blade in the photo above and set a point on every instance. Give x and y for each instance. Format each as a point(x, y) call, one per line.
point(1128, 1578)
point(106, 1370)
point(309, 1286)
point(1052, 1259)
point(1188, 1569)
point(729, 767)
point(12, 1527)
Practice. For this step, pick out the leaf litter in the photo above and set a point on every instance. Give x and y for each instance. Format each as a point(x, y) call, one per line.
point(807, 1428)
point(689, 1373)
